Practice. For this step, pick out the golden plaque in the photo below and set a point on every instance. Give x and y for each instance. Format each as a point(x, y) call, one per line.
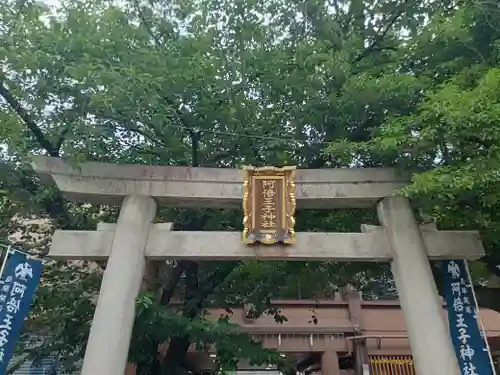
point(268, 205)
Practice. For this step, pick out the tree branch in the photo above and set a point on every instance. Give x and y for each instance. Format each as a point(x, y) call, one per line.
point(62, 137)
point(193, 305)
point(146, 24)
point(168, 290)
point(192, 302)
point(378, 39)
point(29, 122)
point(123, 123)
point(217, 278)
point(183, 117)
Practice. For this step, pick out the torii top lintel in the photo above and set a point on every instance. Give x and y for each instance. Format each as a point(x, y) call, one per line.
point(107, 183)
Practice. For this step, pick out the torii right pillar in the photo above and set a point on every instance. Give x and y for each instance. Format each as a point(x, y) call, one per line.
point(427, 328)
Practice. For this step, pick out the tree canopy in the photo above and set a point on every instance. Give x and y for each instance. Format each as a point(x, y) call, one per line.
point(318, 84)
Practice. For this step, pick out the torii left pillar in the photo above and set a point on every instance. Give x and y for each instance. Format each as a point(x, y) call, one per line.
point(109, 339)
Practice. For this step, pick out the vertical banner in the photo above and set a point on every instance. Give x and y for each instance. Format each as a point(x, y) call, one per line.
point(470, 345)
point(18, 283)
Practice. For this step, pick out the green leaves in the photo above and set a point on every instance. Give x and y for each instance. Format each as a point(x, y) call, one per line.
point(265, 83)
point(448, 132)
point(155, 324)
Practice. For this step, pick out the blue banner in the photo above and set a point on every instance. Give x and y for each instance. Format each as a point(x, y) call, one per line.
point(18, 283)
point(470, 345)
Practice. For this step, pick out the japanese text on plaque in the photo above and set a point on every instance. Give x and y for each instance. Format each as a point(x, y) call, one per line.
point(268, 208)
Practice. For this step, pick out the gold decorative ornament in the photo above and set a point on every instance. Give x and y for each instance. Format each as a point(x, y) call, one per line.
point(268, 205)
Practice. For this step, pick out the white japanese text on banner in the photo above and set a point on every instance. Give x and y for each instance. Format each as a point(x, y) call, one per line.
point(18, 282)
point(470, 345)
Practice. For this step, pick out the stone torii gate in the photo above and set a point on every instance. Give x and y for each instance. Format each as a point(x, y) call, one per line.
point(134, 239)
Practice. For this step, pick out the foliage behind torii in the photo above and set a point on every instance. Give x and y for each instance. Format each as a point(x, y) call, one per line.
point(262, 82)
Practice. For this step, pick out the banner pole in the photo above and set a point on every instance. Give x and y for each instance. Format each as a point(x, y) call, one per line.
point(479, 320)
point(4, 262)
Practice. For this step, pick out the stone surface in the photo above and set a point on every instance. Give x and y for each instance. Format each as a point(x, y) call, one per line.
point(109, 338)
point(329, 363)
point(427, 328)
point(163, 245)
point(399, 240)
point(105, 183)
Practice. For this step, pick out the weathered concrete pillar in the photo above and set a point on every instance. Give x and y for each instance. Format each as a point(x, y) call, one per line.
point(330, 363)
point(425, 321)
point(109, 339)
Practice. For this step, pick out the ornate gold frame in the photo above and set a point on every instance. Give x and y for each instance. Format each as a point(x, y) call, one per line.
point(288, 173)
